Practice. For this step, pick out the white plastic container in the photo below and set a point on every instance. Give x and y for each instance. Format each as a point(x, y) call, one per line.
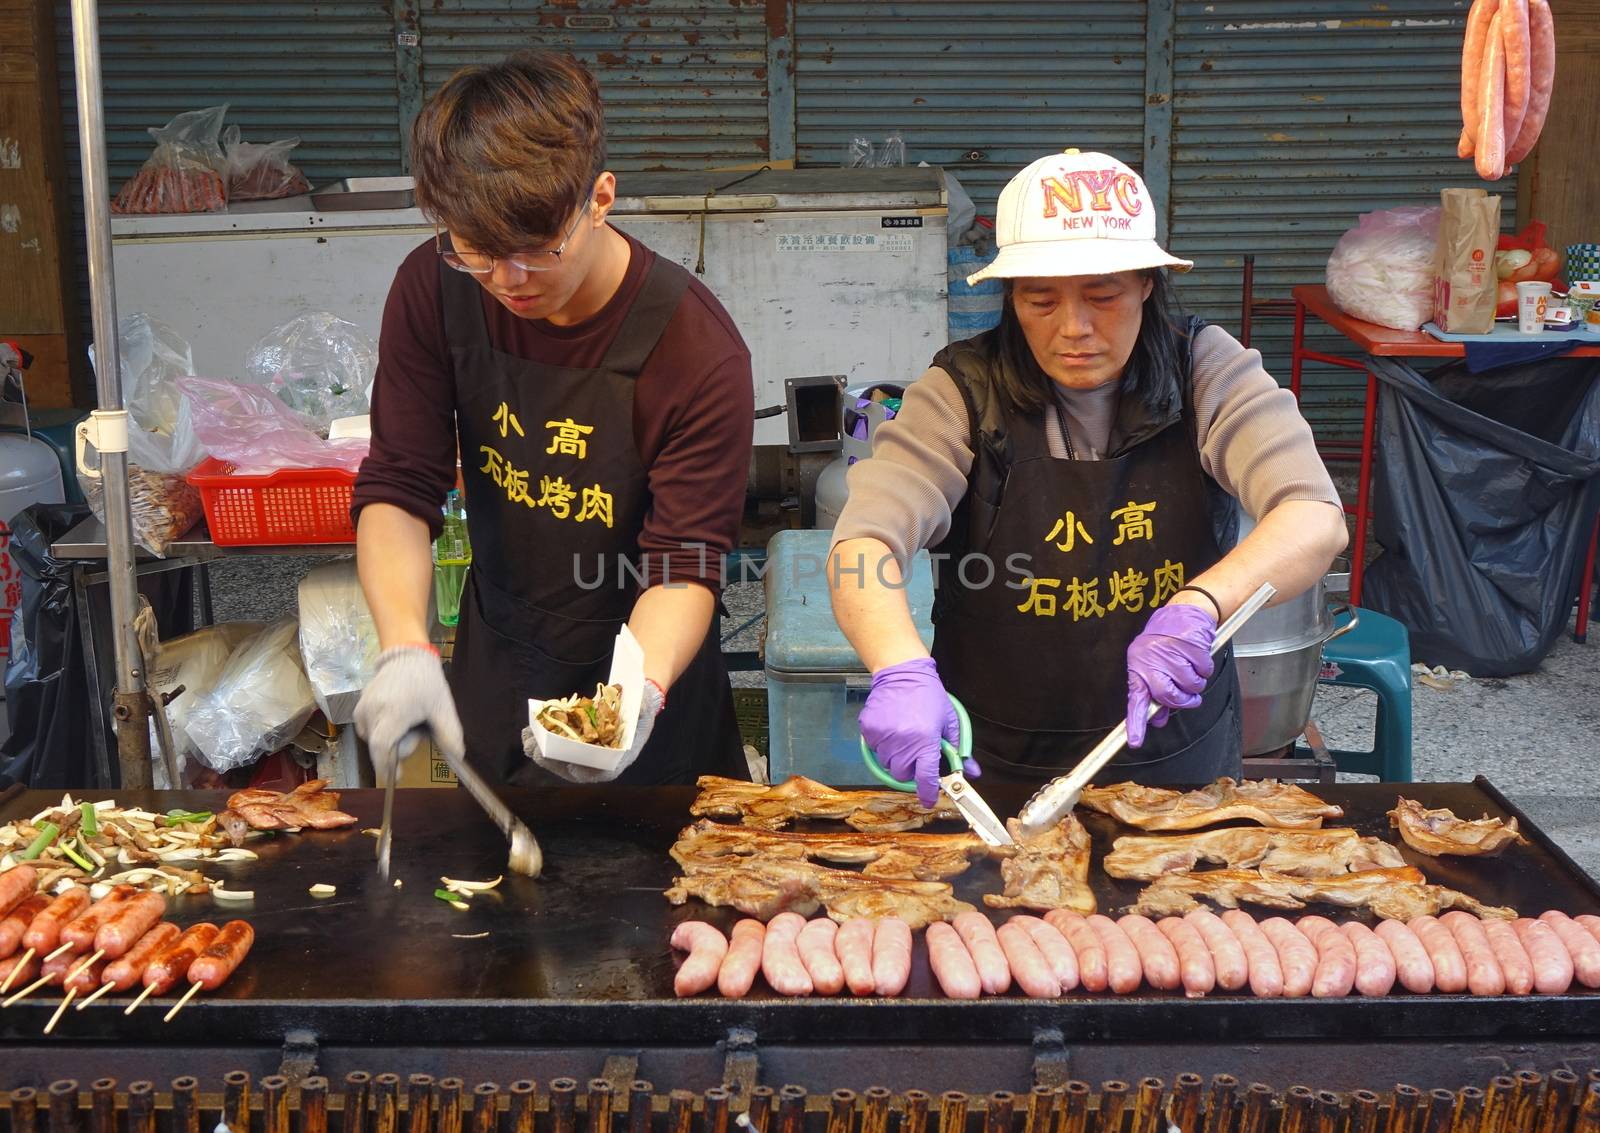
point(627, 670)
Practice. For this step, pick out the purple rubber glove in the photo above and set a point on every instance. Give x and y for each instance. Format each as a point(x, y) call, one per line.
point(906, 714)
point(1169, 663)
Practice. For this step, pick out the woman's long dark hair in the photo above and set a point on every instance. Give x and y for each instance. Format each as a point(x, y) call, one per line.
point(1158, 352)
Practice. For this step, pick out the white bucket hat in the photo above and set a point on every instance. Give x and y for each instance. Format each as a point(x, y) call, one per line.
point(1076, 213)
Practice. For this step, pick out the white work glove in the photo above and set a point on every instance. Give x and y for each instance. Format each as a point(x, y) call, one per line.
point(406, 700)
point(650, 706)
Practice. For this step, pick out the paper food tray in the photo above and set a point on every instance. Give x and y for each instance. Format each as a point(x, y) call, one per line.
point(627, 670)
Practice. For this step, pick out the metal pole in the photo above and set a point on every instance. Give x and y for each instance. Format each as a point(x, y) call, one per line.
point(131, 703)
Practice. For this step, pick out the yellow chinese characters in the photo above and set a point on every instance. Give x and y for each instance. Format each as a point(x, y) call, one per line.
point(569, 438)
point(507, 420)
point(1080, 598)
point(555, 494)
point(1075, 530)
point(1133, 522)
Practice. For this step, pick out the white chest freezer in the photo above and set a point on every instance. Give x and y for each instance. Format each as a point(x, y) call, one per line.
point(825, 271)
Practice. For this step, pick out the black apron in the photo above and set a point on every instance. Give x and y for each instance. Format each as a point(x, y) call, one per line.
point(556, 497)
point(1039, 657)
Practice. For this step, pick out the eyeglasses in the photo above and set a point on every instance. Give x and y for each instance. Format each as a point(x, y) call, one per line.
point(481, 263)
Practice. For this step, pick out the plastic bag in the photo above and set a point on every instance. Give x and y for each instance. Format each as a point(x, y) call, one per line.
point(185, 172)
point(192, 662)
point(260, 702)
point(858, 153)
point(260, 172)
point(1382, 270)
point(891, 152)
point(338, 640)
point(256, 433)
point(162, 445)
point(318, 364)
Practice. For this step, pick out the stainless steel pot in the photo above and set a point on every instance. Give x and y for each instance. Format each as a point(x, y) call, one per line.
point(1279, 653)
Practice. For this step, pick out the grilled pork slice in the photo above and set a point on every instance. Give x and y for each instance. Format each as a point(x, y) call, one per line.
point(1393, 894)
point(773, 808)
point(310, 805)
point(764, 887)
point(1440, 832)
point(1268, 802)
point(926, 857)
point(1047, 871)
point(1299, 853)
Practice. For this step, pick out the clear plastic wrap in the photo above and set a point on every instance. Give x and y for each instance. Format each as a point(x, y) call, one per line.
point(1382, 270)
point(259, 703)
point(261, 172)
point(338, 640)
point(185, 171)
point(192, 662)
point(318, 364)
point(256, 433)
point(162, 445)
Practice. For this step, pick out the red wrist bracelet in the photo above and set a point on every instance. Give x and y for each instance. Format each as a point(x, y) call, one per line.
point(428, 645)
point(657, 686)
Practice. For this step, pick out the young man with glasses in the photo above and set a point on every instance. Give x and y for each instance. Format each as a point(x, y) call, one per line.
point(600, 401)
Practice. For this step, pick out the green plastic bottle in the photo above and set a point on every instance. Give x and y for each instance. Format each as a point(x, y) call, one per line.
point(452, 555)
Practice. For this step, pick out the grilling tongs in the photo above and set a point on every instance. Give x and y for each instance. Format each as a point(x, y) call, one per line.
point(526, 857)
point(1061, 794)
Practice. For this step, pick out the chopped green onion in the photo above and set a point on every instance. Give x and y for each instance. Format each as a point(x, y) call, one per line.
point(81, 862)
point(447, 895)
point(180, 817)
point(594, 721)
point(47, 834)
point(91, 824)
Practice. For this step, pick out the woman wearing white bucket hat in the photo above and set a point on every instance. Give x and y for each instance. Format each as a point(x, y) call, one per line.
point(1077, 473)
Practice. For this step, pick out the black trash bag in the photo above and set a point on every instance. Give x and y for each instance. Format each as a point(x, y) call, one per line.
point(51, 744)
point(1487, 488)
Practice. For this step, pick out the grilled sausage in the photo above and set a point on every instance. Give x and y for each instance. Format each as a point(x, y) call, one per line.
point(1156, 954)
point(1511, 956)
point(1195, 966)
point(1124, 971)
point(137, 916)
point(1411, 962)
point(853, 946)
point(1483, 970)
point(1542, 67)
point(125, 973)
point(223, 955)
point(1056, 948)
point(1336, 958)
point(743, 961)
point(1590, 922)
point(59, 968)
point(29, 970)
point(1375, 967)
point(16, 885)
point(780, 955)
point(44, 933)
point(706, 947)
point(1519, 81)
point(1297, 956)
point(13, 927)
point(1552, 964)
point(1086, 946)
point(978, 934)
point(952, 964)
point(81, 931)
point(171, 964)
point(1266, 972)
point(816, 944)
point(1449, 966)
point(1583, 948)
point(1028, 965)
point(1489, 142)
point(1227, 954)
point(85, 978)
point(891, 956)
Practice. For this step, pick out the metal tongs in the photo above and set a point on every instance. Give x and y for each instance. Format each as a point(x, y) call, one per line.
point(1061, 794)
point(526, 857)
point(984, 822)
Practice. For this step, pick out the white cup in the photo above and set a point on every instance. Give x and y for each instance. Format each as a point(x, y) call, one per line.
point(1532, 299)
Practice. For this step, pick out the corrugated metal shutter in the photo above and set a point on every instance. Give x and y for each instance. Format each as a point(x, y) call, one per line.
point(1291, 118)
point(323, 71)
point(1007, 80)
point(685, 84)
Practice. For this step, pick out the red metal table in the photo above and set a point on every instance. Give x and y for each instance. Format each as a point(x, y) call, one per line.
point(1383, 342)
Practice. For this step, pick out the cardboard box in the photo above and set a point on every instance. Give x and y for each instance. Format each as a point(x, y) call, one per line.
point(426, 768)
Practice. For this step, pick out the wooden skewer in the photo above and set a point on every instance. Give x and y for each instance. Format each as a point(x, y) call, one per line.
point(54, 1019)
point(29, 990)
point(178, 1006)
point(97, 993)
point(143, 995)
point(5, 985)
point(84, 965)
point(62, 951)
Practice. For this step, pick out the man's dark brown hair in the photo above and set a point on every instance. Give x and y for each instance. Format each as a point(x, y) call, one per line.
point(505, 153)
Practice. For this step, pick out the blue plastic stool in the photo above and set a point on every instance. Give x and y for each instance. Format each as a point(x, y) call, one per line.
point(1376, 655)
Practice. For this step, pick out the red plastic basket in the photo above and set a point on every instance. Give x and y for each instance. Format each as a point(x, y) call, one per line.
point(292, 505)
